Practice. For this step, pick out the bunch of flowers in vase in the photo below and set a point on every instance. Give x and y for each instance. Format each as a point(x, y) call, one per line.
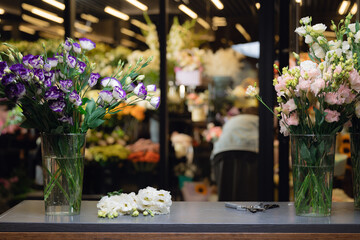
point(316, 99)
point(51, 91)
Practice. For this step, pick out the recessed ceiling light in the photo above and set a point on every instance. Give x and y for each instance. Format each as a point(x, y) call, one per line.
point(139, 24)
point(89, 18)
point(138, 4)
point(55, 4)
point(188, 11)
point(354, 9)
point(2, 11)
point(257, 5)
point(127, 32)
point(218, 4)
point(344, 7)
point(42, 13)
point(27, 29)
point(35, 21)
point(242, 30)
point(203, 23)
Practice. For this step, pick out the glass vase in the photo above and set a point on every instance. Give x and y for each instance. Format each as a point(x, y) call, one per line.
point(313, 159)
point(63, 168)
point(355, 162)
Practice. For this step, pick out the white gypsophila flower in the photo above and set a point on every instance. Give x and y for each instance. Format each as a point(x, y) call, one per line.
point(352, 27)
point(301, 31)
point(308, 39)
point(319, 28)
point(251, 91)
point(305, 20)
point(158, 201)
point(307, 65)
point(357, 37)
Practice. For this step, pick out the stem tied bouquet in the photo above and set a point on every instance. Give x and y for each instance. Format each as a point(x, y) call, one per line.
point(315, 100)
point(51, 91)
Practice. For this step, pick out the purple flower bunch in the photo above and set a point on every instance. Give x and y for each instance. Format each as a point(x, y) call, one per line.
point(51, 90)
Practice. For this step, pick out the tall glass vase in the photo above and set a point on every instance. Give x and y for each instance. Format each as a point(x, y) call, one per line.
point(313, 169)
point(355, 162)
point(63, 168)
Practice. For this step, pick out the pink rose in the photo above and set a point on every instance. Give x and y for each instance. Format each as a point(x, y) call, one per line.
point(289, 106)
point(354, 79)
point(332, 116)
point(317, 86)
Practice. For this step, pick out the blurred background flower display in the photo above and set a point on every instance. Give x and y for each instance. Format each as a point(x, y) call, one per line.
point(144, 155)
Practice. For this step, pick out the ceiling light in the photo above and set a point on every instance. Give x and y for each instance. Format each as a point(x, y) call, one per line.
point(55, 4)
point(89, 18)
point(139, 24)
point(243, 32)
point(82, 27)
point(128, 43)
point(344, 7)
point(138, 4)
point(354, 9)
point(218, 4)
point(2, 11)
point(127, 32)
point(188, 11)
point(140, 38)
point(27, 29)
point(42, 13)
point(35, 21)
point(219, 21)
point(116, 13)
point(203, 23)
point(257, 5)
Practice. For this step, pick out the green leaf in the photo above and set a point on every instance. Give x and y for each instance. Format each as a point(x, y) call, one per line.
point(85, 101)
point(90, 107)
point(82, 111)
point(28, 124)
point(95, 123)
point(304, 152)
point(319, 117)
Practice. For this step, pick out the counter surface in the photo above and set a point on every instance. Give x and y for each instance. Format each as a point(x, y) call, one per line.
point(28, 216)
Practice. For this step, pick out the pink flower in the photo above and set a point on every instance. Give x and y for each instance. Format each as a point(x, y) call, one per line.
point(313, 73)
point(338, 69)
point(281, 86)
point(332, 116)
point(304, 85)
point(293, 120)
point(331, 98)
point(317, 86)
point(354, 79)
point(289, 106)
point(283, 128)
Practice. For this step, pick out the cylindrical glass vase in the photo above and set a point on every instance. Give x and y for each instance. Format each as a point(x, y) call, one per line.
point(313, 159)
point(355, 162)
point(63, 168)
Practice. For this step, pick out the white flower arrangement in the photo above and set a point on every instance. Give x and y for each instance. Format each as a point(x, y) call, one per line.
point(148, 201)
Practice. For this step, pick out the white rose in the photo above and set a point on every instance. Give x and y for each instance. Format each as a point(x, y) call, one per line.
point(305, 20)
point(319, 28)
point(357, 37)
point(352, 27)
point(308, 39)
point(301, 31)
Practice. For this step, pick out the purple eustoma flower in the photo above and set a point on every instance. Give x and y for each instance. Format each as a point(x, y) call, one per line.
point(14, 91)
point(26, 59)
point(57, 106)
point(130, 87)
point(50, 76)
point(71, 61)
point(118, 93)
point(39, 75)
point(81, 67)
point(53, 93)
point(36, 62)
point(53, 62)
point(67, 45)
point(59, 57)
point(140, 91)
point(3, 67)
point(155, 102)
point(75, 98)
point(105, 97)
point(7, 79)
point(87, 44)
point(76, 47)
point(21, 71)
point(65, 85)
point(151, 88)
point(93, 79)
point(47, 67)
point(65, 119)
point(110, 82)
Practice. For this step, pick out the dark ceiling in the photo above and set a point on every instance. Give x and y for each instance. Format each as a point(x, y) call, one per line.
point(235, 11)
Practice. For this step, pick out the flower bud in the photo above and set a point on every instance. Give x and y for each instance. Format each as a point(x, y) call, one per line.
point(135, 213)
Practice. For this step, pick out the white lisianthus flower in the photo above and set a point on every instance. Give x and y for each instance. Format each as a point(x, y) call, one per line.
point(305, 20)
point(318, 51)
point(308, 39)
point(357, 37)
point(158, 201)
point(307, 65)
point(301, 31)
point(352, 27)
point(345, 46)
point(319, 28)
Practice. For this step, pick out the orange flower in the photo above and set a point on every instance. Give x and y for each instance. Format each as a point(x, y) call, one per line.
point(201, 189)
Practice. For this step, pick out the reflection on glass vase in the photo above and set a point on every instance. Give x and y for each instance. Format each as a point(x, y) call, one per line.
point(355, 162)
point(313, 169)
point(63, 168)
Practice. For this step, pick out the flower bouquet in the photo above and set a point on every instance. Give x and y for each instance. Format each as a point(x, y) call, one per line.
point(315, 100)
point(51, 92)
